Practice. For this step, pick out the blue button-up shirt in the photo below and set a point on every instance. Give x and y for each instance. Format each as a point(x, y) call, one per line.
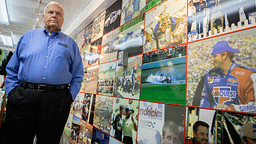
point(43, 59)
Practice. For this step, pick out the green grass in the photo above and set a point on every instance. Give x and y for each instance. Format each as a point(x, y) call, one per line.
point(174, 94)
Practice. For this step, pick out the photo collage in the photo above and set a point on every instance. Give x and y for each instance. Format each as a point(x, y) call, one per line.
point(166, 71)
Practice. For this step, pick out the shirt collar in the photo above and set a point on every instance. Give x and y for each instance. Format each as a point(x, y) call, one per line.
point(54, 33)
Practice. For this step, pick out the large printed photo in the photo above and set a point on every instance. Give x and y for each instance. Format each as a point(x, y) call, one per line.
point(212, 17)
point(165, 25)
point(163, 75)
point(221, 72)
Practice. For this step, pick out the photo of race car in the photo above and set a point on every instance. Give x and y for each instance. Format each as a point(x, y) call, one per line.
point(109, 48)
point(112, 17)
point(158, 79)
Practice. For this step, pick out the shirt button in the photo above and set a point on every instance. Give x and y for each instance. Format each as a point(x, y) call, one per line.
point(46, 56)
point(50, 39)
point(44, 66)
point(43, 77)
point(48, 47)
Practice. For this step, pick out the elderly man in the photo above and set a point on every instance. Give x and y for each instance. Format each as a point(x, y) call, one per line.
point(43, 78)
point(228, 85)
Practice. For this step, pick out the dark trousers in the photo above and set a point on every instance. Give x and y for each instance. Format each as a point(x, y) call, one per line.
point(127, 140)
point(31, 112)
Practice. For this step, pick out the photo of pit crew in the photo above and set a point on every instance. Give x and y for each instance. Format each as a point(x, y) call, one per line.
point(127, 81)
point(165, 25)
point(131, 36)
point(214, 17)
point(109, 46)
point(164, 73)
point(221, 72)
point(124, 120)
point(132, 9)
point(218, 126)
point(85, 136)
point(103, 111)
point(98, 26)
point(91, 79)
point(106, 78)
point(113, 17)
point(158, 126)
point(93, 56)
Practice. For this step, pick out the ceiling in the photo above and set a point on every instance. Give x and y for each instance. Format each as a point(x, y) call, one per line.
point(24, 15)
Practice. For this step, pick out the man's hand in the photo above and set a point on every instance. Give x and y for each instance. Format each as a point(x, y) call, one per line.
point(223, 106)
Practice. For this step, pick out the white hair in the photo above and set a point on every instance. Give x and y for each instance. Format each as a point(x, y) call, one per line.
point(51, 3)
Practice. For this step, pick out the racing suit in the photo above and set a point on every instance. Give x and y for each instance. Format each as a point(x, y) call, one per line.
point(236, 89)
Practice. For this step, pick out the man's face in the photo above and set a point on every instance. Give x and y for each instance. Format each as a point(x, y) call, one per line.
point(248, 141)
point(170, 137)
point(54, 17)
point(201, 135)
point(217, 60)
point(163, 27)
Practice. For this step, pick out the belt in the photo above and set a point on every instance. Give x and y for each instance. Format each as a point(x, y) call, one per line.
point(43, 87)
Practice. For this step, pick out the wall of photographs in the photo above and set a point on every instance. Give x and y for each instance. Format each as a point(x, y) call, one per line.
point(150, 72)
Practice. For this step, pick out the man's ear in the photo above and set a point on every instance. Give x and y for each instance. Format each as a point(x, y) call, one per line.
point(194, 134)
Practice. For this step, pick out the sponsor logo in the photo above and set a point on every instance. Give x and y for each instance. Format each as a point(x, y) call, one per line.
point(210, 80)
point(232, 80)
point(149, 111)
point(247, 108)
point(217, 80)
point(240, 73)
point(223, 92)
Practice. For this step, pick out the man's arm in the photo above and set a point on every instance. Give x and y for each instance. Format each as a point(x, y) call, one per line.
point(247, 96)
point(205, 96)
point(198, 93)
point(77, 73)
point(12, 69)
point(134, 124)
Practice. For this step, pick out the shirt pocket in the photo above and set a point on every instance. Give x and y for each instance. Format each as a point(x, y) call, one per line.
point(62, 52)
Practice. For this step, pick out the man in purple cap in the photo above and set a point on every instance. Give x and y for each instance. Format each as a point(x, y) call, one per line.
point(228, 85)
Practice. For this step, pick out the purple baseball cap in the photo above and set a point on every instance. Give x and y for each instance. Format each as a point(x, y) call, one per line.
point(222, 46)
